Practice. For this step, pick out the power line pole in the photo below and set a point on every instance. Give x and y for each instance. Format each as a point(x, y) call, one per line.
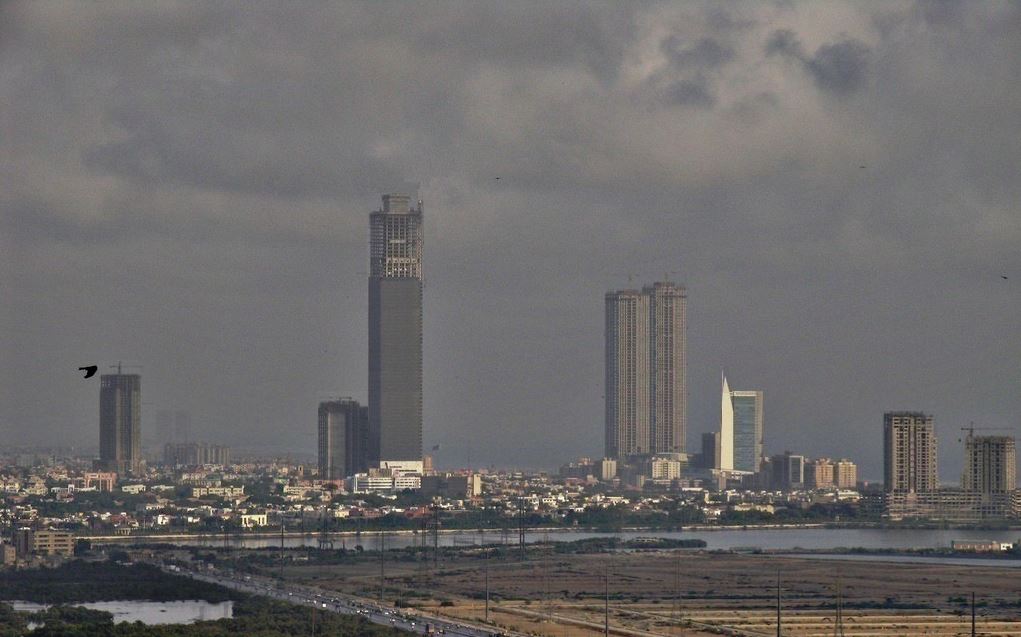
point(838, 621)
point(606, 601)
point(778, 620)
point(382, 564)
point(973, 614)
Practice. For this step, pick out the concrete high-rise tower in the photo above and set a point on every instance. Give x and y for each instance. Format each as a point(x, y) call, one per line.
point(909, 452)
point(395, 331)
point(120, 418)
point(990, 464)
point(343, 438)
point(646, 381)
point(627, 374)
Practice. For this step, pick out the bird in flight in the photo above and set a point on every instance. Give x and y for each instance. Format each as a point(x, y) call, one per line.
point(90, 371)
point(1004, 277)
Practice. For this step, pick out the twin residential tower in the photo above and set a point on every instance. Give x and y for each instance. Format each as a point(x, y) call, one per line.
point(646, 360)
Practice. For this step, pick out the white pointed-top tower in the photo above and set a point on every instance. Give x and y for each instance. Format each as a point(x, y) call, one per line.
point(726, 428)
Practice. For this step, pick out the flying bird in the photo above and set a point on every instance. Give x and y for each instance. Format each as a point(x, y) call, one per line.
point(1004, 277)
point(495, 177)
point(90, 371)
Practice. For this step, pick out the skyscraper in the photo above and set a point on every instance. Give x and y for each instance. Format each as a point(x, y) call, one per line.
point(990, 464)
point(646, 383)
point(741, 429)
point(120, 417)
point(343, 438)
point(909, 452)
point(395, 331)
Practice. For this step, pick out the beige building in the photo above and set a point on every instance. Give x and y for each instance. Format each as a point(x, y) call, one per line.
point(100, 480)
point(909, 452)
point(845, 474)
point(990, 464)
point(43, 542)
point(819, 474)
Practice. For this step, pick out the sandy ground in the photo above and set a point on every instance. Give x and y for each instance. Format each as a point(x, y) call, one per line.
point(686, 593)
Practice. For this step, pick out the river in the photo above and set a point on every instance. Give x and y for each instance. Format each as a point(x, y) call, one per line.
point(813, 539)
point(151, 613)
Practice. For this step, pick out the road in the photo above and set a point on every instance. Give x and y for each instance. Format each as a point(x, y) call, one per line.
point(407, 619)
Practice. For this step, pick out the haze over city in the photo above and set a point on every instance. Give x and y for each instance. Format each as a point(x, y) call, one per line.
point(186, 187)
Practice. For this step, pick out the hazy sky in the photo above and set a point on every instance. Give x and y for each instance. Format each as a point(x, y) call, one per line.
point(186, 186)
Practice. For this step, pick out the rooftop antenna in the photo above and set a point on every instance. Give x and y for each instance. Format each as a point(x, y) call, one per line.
point(119, 365)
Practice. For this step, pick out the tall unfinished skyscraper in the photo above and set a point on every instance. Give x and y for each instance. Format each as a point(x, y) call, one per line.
point(909, 452)
point(395, 331)
point(120, 422)
point(990, 464)
point(646, 384)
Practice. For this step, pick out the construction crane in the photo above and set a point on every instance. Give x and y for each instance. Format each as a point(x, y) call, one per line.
point(119, 365)
point(971, 429)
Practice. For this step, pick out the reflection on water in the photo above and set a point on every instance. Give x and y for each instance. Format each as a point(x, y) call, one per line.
point(183, 612)
point(717, 539)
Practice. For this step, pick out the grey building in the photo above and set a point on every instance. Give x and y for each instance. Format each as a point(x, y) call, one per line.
point(120, 418)
point(710, 456)
point(785, 472)
point(343, 439)
point(990, 464)
point(909, 452)
point(395, 331)
point(646, 379)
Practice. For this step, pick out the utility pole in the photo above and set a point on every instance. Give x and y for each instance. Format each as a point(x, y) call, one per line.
point(838, 621)
point(521, 529)
point(973, 614)
point(487, 586)
point(778, 621)
point(606, 601)
point(382, 567)
point(281, 569)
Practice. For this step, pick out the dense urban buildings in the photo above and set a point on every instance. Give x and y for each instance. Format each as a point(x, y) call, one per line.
point(909, 452)
point(343, 439)
point(395, 331)
point(646, 384)
point(740, 430)
point(990, 464)
point(120, 418)
point(195, 454)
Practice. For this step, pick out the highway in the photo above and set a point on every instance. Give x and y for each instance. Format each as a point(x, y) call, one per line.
point(407, 619)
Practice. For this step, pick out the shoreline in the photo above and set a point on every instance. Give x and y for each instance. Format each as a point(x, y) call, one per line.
point(698, 528)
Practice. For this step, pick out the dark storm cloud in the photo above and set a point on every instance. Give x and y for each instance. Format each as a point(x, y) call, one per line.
point(840, 68)
point(194, 180)
point(707, 52)
point(690, 93)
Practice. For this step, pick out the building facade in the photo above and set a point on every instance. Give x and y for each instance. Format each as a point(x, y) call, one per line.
point(195, 454)
point(845, 474)
point(819, 474)
point(990, 464)
point(909, 452)
point(343, 439)
point(395, 331)
point(120, 420)
point(741, 429)
point(646, 377)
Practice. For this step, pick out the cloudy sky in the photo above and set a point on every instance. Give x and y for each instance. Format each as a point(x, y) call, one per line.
point(186, 187)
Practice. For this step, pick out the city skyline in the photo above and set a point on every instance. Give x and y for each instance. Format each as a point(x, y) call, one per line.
point(831, 182)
